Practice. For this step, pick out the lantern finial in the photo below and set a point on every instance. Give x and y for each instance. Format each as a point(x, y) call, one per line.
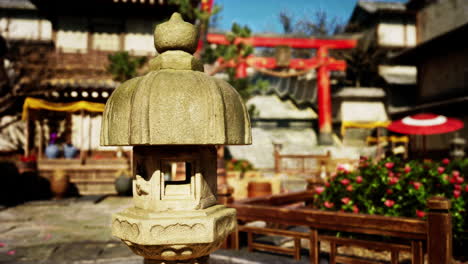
point(176, 34)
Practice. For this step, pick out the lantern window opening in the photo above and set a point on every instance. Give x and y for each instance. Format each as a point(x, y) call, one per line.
point(178, 179)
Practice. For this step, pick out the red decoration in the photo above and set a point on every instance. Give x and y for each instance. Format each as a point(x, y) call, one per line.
point(322, 62)
point(425, 124)
point(207, 5)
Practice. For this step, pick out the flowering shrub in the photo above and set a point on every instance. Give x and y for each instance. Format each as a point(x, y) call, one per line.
point(239, 165)
point(394, 187)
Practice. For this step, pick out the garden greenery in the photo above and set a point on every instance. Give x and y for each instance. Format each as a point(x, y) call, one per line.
point(394, 187)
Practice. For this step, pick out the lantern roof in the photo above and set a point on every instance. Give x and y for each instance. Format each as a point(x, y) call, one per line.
point(175, 103)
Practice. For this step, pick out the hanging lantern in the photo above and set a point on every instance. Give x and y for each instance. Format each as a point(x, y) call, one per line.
point(283, 56)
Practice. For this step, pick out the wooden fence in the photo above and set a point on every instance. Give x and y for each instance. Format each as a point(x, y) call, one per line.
point(432, 236)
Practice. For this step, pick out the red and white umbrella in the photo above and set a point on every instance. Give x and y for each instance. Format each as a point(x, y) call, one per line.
point(425, 124)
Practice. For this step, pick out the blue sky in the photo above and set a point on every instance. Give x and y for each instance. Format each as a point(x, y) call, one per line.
point(262, 15)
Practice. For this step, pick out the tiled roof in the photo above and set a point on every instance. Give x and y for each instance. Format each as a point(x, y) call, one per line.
point(361, 92)
point(17, 4)
point(374, 6)
point(272, 107)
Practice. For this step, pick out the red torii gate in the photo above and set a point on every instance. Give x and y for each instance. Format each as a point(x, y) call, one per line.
point(322, 62)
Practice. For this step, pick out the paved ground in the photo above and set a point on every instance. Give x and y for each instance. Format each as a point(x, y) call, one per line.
point(77, 231)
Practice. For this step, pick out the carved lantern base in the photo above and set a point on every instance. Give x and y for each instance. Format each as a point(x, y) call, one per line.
point(152, 235)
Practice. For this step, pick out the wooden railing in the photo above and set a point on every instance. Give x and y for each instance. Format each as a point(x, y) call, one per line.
point(415, 236)
point(311, 165)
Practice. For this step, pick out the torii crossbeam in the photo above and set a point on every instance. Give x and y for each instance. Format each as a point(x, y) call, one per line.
point(321, 62)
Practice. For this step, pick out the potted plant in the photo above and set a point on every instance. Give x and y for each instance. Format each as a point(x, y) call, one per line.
point(59, 183)
point(69, 151)
point(52, 150)
point(123, 183)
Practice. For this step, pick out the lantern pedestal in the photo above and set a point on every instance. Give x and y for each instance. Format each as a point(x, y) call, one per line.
point(174, 235)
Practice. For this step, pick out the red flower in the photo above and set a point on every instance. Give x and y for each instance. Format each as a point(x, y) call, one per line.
point(391, 174)
point(345, 181)
point(355, 209)
point(389, 165)
point(456, 193)
point(345, 200)
point(441, 170)
point(359, 179)
point(407, 169)
point(349, 188)
point(389, 191)
point(466, 188)
point(420, 214)
point(457, 187)
point(417, 185)
point(327, 204)
point(319, 189)
point(342, 168)
point(460, 180)
point(445, 161)
point(389, 203)
point(327, 184)
point(393, 180)
point(456, 173)
point(453, 180)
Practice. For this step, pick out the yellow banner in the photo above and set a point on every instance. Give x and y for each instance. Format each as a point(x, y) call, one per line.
point(347, 124)
point(34, 103)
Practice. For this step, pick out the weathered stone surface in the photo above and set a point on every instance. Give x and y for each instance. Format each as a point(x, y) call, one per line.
point(152, 192)
point(175, 107)
point(176, 34)
point(175, 103)
point(166, 228)
point(174, 235)
point(176, 60)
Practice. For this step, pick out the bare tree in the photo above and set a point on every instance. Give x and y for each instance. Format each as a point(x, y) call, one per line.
point(23, 68)
point(320, 24)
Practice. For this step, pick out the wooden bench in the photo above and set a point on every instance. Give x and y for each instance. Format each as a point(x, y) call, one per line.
point(433, 234)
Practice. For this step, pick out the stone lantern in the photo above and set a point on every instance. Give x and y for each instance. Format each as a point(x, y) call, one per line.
point(175, 114)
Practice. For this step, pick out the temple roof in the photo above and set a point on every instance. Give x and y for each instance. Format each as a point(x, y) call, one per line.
point(17, 4)
point(374, 6)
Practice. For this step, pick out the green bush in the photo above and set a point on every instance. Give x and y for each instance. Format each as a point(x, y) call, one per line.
point(394, 187)
point(239, 165)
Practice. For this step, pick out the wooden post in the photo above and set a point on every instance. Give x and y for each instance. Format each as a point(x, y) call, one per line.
point(27, 137)
point(314, 247)
point(249, 241)
point(276, 149)
point(416, 252)
point(297, 248)
point(82, 145)
point(41, 140)
point(439, 231)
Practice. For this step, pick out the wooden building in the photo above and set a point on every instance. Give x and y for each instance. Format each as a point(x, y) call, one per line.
point(69, 100)
point(441, 57)
point(385, 29)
